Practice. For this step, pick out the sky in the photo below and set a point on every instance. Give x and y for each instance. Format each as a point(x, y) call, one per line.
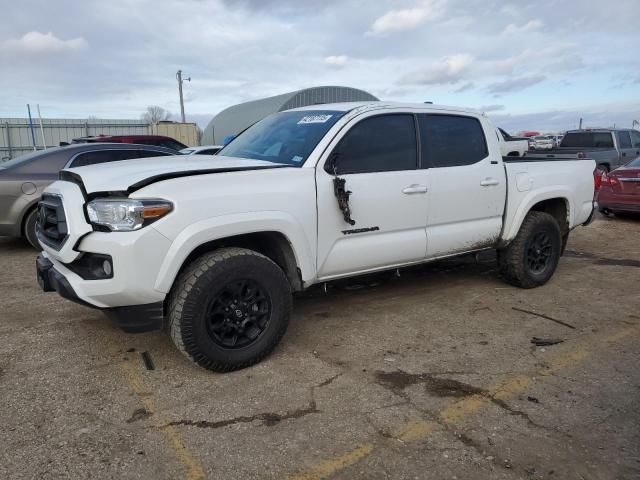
point(539, 65)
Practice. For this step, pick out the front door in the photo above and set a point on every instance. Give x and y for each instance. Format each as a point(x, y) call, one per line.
point(468, 185)
point(377, 158)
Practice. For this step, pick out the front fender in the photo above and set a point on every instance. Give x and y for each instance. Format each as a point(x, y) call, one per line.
point(224, 226)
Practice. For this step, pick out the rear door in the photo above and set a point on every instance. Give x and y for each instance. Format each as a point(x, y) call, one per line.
point(468, 186)
point(377, 157)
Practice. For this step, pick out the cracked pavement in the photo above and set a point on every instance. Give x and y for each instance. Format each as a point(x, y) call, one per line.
point(429, 375)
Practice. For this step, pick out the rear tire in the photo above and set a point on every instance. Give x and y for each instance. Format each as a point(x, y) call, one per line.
point(30, 229)
point(532, 257)
point(229, 309)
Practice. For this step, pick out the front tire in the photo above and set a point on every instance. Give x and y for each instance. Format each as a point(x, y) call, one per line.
point(532, 257)
point(229, 309)
point(30, 229)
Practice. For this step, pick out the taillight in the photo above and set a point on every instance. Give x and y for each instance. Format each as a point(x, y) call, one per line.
point(597, 179)
point(607, 180)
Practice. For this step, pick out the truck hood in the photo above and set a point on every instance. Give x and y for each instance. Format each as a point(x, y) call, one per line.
point(131, 175)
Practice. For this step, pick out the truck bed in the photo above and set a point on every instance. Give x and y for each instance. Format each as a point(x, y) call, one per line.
point(527, 178)
point(569, 152)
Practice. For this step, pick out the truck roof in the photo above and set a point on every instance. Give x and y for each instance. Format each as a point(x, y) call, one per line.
point(349, 106)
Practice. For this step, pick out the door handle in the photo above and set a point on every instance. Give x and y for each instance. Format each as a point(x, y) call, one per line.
point(415, 188)
point(488, 182)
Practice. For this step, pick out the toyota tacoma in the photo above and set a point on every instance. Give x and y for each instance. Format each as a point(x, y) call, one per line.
point(214, 249)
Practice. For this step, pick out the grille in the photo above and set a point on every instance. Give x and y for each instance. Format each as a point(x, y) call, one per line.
point(52, 223)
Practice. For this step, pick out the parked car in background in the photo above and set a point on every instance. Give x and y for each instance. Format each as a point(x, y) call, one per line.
point(157, 140)
point(202, 150)
point(543, 142)
point(23, 179)
point(531, 143)
point(610, 148)
point(214, 249)
point(620, 189)
point(513, 146)
point(557, 139)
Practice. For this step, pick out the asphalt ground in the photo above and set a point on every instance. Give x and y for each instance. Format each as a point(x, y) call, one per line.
point(429, 375)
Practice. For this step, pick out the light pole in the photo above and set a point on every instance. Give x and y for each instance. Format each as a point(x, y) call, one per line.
point(180, 80)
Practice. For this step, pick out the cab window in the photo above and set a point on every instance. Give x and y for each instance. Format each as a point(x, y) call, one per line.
point(383, 143)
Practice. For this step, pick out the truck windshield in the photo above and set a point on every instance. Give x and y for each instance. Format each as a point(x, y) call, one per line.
point(587, 140)
point(285, 137)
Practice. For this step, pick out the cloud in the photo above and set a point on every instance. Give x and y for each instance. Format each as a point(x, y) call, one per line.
point(42, 43)
point(515, 84)
point(530, 26)
point(405, 19)
point(115, 58)
point(336, 61)
point(465, 87)
point(491, 108)
point(449, 70)
point(605, 115)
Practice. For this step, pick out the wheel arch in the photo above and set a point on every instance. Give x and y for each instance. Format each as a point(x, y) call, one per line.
point(273, 234)
point(555, 203)
point(272, 244)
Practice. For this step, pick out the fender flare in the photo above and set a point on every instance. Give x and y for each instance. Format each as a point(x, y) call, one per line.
point(532, 198)
point(225, 226)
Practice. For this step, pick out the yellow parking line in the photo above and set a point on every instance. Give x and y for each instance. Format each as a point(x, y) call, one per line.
point(329, 467)
point(420, 429)
point(193, 468)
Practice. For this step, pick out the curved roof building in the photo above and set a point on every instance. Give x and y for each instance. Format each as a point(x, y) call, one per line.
point(233, 120)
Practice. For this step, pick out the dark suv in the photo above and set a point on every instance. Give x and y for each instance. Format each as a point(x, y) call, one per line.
point(23, 179)
point(157, 140)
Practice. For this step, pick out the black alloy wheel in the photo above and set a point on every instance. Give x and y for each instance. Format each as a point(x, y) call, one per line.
point(539, 252)
point(238, 314)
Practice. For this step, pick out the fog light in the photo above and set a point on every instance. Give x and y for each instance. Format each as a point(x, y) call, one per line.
point(106, 266)
point(92, 266)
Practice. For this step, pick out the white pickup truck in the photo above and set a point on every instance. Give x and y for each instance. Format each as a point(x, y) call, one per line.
point(213, 247)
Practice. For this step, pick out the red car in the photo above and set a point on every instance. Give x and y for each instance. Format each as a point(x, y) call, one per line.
point(620, 190)
point(157, 140)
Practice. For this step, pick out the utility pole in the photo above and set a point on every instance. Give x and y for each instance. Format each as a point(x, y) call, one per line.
point(180, 80)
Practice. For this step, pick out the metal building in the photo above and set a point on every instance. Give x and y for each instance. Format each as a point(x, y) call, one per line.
point(233, 120)
point(17, 138)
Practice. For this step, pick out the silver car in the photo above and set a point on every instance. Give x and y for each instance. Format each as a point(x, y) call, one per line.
point(202, 150)
point(543, 142)
point(23, 179)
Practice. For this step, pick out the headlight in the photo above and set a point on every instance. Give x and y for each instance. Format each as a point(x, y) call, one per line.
point(125, 214)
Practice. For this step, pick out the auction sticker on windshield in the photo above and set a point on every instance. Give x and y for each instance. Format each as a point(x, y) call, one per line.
point(314, 119)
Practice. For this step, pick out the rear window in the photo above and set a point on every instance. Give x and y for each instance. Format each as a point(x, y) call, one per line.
point(451, 140)
point(103, 156)
point(22, 159)
point(625, 139)
point(588, 140)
